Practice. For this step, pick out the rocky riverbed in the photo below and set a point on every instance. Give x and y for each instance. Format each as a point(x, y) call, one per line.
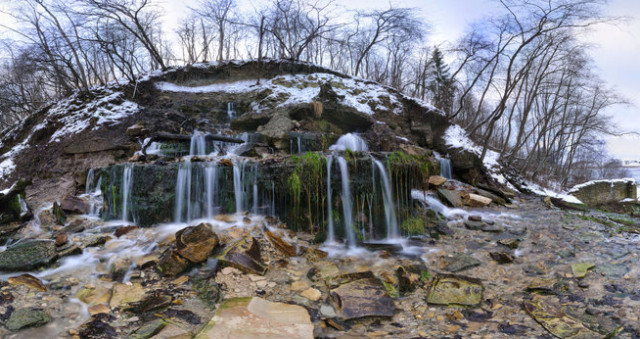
point(530, 270)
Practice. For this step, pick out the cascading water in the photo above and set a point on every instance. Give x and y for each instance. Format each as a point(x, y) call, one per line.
point(183, 192)
point(350, 141)
point(437, 206)
point(347, 203)
point(231, 110)
point(198, 144)
point(94, 193)
point(238, 183)
point(127, 185)
point(331, 237)
point(211, 183)
point(389, 207)
point(445, 166)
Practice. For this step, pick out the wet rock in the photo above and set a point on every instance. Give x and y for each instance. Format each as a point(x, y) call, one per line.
point(171, 263)
point(548, 286)
point(11, 208)
point(61, 239)
point(452, 198)
point(124, 230)
point(94, 295)
point(455, 290)
point(27, 255)
point(99, 309)
point(136, 130)
point(150, 303)
point(311, 294)
point(580, 270)
point(475, 200)
point(362, 295)
point(29, 281)
point(554, 319)
point(230, 219)
point(437, 181)
point(59, 216)
point(245, 318)
point(379, 246)
point(282, 246)
point(98, 327)
point(461, 262)
point(244, 254)
point(475, 218)
point(196, 243)
point(149, 329)
point(611, 270)
point(501, 257)
point(208, 291)
point(74, 205)
point(124, 294)
point(27, 317)
point(482, 226)
point(250, 121)
point(510, 243)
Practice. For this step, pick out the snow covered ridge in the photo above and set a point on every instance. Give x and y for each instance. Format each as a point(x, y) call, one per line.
point(608, 181)
point(74, 115)
point(364, 96)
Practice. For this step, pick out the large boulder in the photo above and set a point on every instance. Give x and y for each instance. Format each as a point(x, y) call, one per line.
point(600, 192)
point(27, 255)
point(73, 204)
point(27, 317)
point(196, 243)
point(361, 295)
point(12, 205)
point(455, 290)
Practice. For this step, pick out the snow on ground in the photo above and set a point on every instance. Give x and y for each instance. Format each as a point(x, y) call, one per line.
point(610, 181)
point(456, 137)
point(73, 115)
point(302, 88)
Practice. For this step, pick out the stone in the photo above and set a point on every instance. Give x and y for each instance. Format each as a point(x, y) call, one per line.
point(230, 219)
point(475, 200)
point(555, 319)
point(600, 192)
point(27, 317)
point(475, 218)
point(27, 255)
point(61, 239)
point(99, 309)
point(29, 281)
point(510, 243)
point(461, 262)
point(94, 295)
point(548, 286)
point(580, 270)
point(244, 254)
point(74, 205)
point(299, 285)
point(437, 181)
point(501, 257)
point(311, 294)
point(248, 318)
point(455, 290)
point(150, 303)
point(58, 214)
point(452, 198)
point(120, 231)
point(136, 130)
point(171, 263)
point(149, 329)
point(282, 246)
point(361, 297)
point(196, 243)
point(124, 294)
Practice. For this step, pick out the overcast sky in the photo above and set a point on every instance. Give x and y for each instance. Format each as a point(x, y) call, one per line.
point(616, 48)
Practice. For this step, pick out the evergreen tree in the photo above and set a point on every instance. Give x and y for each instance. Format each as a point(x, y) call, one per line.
point(441, 85)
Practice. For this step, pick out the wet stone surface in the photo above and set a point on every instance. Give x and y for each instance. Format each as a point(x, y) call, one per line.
point(566, 276)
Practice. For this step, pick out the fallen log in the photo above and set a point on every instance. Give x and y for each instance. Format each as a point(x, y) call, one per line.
point(182, 137)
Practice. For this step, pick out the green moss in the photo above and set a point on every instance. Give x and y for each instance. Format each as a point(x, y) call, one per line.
point(413, 226)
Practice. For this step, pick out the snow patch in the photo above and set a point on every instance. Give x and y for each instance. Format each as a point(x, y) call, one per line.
point(609, 181)
point(564, 196)
point(456, 137)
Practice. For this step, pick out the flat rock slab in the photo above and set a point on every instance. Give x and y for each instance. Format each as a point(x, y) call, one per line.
point(453, 198)
point(580, 270)
point(123, 294)
point(455, 290)
point(28, 255)
point(366, 297)
point(561, 324)
point(462, 262)
point(248, 318)
point(27, 317)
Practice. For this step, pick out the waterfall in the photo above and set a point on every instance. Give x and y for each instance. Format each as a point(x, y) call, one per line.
point(445, 166)
point(231, 111)
point(299, 145)
point(347, 203)
point(254, 172)
point(88, 185)
point(350, 141)
point(331, 237)
point(127, 185)
point(387, 197)
point(238, 183)
point(198, 144)
point(183, 191)
point(211, 187)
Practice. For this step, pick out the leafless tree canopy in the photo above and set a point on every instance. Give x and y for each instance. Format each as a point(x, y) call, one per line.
point(521, 82)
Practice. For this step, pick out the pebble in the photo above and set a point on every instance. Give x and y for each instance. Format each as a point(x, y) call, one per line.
point(312, 294)
point(299, 286)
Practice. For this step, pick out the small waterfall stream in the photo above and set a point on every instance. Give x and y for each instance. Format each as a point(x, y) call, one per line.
point(389, 207)
point(93, 193)
point(445, 166)
point(127, 186)
point(347, 203)
point(331, 236)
